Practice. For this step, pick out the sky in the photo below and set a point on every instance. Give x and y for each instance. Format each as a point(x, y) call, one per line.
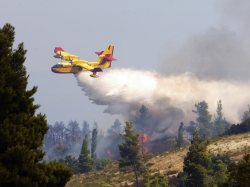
point(144, 33)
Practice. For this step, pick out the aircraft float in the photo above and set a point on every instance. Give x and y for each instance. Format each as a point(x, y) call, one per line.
point(75, 65)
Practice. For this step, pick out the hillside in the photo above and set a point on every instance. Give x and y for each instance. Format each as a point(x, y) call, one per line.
point(169, 163)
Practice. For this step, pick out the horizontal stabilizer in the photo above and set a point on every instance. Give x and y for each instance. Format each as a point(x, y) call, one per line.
point(108, 57)
point(58, 49)
point(99, 53)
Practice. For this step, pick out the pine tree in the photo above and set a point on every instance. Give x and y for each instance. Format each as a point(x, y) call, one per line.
point(86, 163)
point(219, 174)
point(130, 149)
point(21, 131)
point(102, 163)
point(85, 129)
point(74, 131)
point(72, 162)
point(116, 128)
point(94, 144)
point(95, 126)
point(196, 162)
point(239, 175)
point(219, 122)
point(204, 119)
point(246, 115)
point(179, 139)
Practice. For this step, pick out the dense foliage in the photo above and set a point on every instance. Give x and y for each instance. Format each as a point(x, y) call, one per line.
point(239, 175)
point(239, 128)
point(159, 181)
point(219, 121)
point(196, 162)
point(102, 163)
point(21, 131)
point(86, 163)
point(70, 161)
point(246, 114)
point(61, 139)
point(94, 144)
point(129, 150)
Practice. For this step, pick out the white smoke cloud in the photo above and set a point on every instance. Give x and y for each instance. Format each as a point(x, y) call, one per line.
point(170, 99)
point(209, 67)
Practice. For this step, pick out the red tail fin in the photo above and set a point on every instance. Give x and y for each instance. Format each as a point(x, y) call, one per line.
point(58, 49)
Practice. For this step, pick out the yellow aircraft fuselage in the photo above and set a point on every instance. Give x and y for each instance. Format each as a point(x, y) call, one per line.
point(67, 67)
point(76, 65)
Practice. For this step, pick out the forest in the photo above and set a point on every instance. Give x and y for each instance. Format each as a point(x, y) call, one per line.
point(34, 153)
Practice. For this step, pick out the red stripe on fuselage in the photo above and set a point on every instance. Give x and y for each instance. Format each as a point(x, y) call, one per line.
point(60, 71)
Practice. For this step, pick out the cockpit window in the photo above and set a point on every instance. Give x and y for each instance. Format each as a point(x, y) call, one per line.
point(57, 65)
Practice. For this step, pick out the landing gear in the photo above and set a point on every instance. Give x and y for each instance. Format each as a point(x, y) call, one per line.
point(94, 75)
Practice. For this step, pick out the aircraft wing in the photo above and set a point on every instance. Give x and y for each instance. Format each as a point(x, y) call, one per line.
point(86, 66)
point(60, 53)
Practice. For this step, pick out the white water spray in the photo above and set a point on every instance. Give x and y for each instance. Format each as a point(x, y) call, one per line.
point(170, 99)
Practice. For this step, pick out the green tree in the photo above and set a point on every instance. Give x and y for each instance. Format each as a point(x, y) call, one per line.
point(239, 128)
point(225, 158)
point(70, 161)
point(179, 139)
point(219, 121)
point(196, 162)
point(86, 163)
point(21, 131)
point(58, 148)
point(94, 144)
point(219, 175)
point(181, 177)
point(159, 181)
point(146, 176)
point(203, 119)
point(129, 150)
point(102, 163)
point(239, 175)
point(116, 128)
point(246, 114)
point(85, 128)
point(59, 174)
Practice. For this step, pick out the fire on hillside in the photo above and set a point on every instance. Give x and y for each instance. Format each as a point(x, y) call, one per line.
point(110, 154)
point(142, 139)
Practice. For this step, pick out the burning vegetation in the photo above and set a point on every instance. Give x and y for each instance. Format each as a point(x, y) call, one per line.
point(143, 138)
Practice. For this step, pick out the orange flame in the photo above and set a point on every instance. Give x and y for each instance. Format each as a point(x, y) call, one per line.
point(110, 154)
point(145, 139)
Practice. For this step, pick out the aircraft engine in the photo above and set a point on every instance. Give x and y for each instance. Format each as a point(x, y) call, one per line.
point(57, 56)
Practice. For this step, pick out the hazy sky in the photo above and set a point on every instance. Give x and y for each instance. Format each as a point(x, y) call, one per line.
point(144, 33)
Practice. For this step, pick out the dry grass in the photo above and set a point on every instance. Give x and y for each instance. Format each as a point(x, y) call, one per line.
point(169, 163)
point(237, 145)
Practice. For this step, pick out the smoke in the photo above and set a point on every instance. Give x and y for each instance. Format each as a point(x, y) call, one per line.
point(217, 54)
point(170, 99)
point(209, 66)
point(236, 14)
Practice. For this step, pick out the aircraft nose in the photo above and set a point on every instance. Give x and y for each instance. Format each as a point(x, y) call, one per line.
point(52, 68)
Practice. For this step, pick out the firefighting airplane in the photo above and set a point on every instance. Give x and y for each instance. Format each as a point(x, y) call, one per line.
point(76, 65)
